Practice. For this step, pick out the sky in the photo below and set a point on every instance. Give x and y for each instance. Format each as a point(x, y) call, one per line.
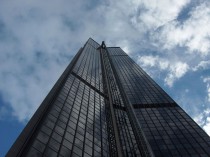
point(169, 39)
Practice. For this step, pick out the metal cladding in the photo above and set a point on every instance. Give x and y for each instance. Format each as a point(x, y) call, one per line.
point(104, 104)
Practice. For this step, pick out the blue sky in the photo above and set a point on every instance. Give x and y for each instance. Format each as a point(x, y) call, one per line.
point(169, 39)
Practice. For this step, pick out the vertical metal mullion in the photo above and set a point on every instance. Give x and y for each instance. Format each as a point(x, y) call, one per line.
point(143, 144)
point(116, 132)
point(88, 88)
point(94, 112)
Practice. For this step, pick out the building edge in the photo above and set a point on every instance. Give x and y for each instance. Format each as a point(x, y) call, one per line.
point(22, 140)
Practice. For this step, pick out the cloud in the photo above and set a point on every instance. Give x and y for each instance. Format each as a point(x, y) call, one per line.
point(208, 91)
point(193, 33)
point(206, 127)
point(148, 60)
point(23, 86)
point(175, 69)
point(153, 61)
point(202, 65)
point(151, 14)
point(207, 81)
point(203, 119)
point(181, 45)
point(37, 41)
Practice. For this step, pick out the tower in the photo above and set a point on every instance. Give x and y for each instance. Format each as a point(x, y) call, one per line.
point(104, 104)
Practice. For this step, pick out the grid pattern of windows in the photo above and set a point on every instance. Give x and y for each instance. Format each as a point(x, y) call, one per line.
point(75, 124)
point(88, 66)
point(116, 51)
point(171, 132)
point(168, 129)
point(138, 86)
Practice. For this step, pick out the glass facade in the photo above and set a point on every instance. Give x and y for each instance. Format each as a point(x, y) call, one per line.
point(171, 132)
point(168, 129)
point(104, 104)
point(139, 87)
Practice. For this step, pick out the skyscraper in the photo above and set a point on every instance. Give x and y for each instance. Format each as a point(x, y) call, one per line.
point(104, 104)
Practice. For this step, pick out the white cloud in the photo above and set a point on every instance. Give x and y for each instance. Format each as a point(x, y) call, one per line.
point(25, 87)
point(152, 61)
point(202, 65)
point(206, 127)
point(208, 91)
point(35, 46)
point(177, 70)
point(37, 39)
point(194, 33)
point(151, 14)
point(206, 80)
point(203, 119)
point(148, 60)
point(199, 119)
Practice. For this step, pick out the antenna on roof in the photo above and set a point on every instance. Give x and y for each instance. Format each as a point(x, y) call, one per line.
point(103, 45)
